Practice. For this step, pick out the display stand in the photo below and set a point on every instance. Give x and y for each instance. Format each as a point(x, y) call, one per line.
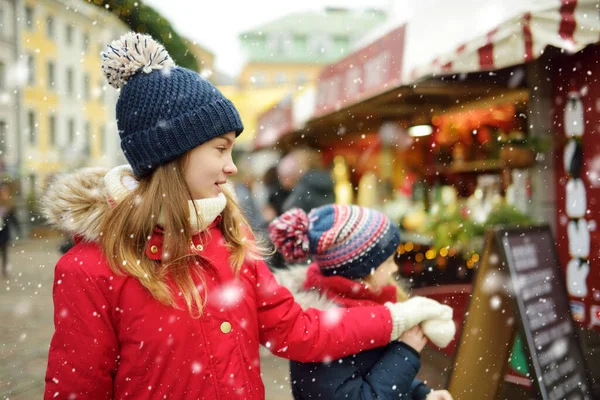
point(519, 284)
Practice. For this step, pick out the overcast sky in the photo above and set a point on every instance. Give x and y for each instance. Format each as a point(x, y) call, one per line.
point(216, 24)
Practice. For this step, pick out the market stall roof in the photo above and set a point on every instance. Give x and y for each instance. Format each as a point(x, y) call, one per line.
point(288, 114)
point(376, 82)
point(569, 25)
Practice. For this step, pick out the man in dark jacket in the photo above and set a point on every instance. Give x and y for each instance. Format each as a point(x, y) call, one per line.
point(310, 186)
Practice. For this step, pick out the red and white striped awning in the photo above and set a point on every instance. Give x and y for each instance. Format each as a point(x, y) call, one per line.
point(569, 25)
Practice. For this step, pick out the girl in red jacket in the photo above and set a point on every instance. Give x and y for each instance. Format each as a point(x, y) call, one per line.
point(165, 294)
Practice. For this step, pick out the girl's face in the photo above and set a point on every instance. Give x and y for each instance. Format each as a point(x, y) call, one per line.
point(209, 165)
point(381, 276)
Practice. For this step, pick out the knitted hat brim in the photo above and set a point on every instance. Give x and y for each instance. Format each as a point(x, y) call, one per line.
point(170, 139)
point(370, 259)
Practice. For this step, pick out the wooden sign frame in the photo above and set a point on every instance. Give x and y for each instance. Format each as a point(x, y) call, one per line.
point(497, 309)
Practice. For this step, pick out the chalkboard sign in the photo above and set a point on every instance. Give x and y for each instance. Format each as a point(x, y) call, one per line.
point(519, 283)
point(546, 321)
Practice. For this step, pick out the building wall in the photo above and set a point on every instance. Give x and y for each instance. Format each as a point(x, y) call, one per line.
point(9, 71)
point(66, 100)
point(291, 75)
point(204, 57)
point(287, 54)
point(250, 102)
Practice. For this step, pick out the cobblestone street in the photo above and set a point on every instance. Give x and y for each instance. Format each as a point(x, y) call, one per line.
point(27, 325)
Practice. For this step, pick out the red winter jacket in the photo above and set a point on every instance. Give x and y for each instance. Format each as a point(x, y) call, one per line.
point(114, 341)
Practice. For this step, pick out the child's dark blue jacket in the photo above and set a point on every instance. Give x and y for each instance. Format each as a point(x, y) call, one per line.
point(383, 373)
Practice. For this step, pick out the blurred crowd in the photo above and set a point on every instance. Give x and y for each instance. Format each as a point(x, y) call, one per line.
point(296, 180)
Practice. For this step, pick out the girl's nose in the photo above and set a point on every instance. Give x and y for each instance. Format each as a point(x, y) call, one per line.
point(230, 168)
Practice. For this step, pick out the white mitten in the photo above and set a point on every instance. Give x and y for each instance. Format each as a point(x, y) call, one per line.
point(576, 198)
point(579, 239)
point(439, 331)
point(577, 273)
point(413, 311)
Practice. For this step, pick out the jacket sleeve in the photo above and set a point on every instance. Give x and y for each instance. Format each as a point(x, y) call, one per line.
point(312, 335)
point(390, 377)
point(83, 353)
point(419, 390)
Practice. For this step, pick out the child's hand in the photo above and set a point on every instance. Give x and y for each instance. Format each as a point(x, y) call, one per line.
point(415, 338)
point(439, 395)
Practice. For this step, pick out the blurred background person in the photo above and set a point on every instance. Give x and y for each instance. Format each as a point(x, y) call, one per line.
point(276, 194)
point(8, 218)
point(244, 183)
point(302, 173)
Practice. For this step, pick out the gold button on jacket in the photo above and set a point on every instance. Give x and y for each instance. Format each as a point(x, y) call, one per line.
point(225, 327)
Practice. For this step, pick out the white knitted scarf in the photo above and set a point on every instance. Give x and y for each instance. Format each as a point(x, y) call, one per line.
point(120, 182)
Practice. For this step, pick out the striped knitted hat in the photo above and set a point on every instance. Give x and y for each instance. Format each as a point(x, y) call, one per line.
point(344, 240)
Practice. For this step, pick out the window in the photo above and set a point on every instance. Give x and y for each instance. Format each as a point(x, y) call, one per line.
point(50, 27)
point(32, 183)
point(51, 75)
point(301, 78)
point(301, 43)
point(32, 128)
point(31, 69)
point(29, 17)
point(280, 43)
point(2, 24)
point(320, 44)
point(71, 132)
point(3, 137)
point(258, 79)
point(86, 86)
point(2, 75)
point(341, 43)
point(102, 139)
point(281, 78)
point(52, 129)
point(101, 91)
point(69, 34)
point(70, 81)
point(86, 139)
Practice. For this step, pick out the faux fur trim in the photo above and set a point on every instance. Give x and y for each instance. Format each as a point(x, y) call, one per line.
point(76, 203)
point(292, 278)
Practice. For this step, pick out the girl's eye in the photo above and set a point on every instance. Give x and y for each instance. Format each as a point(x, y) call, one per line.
point(221, 149)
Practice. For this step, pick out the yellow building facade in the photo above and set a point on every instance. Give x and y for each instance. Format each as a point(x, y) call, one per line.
point(251, 102)
point(67, 107)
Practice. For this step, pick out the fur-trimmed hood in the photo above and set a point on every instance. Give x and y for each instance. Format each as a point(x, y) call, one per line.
point(293, 279)
point(77, 203)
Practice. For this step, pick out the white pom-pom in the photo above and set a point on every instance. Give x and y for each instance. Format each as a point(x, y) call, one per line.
point(132, 53)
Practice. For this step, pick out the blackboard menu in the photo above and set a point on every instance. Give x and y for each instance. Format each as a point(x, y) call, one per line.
point(539, 288)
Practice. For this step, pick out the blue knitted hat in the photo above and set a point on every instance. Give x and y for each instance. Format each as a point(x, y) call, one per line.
point(163, 110)
point(344, 240)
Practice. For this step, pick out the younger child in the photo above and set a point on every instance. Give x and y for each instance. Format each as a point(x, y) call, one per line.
point(352, 250)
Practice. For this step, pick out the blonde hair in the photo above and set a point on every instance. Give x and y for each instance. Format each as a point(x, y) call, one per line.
point(401, 290)
point(129, 225)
